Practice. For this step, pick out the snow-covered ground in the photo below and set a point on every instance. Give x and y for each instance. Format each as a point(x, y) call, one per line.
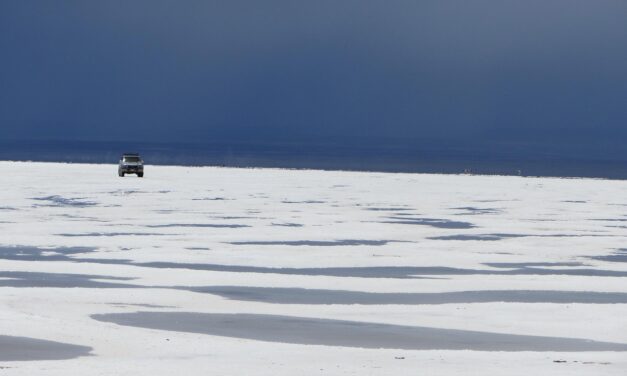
point(279, 272)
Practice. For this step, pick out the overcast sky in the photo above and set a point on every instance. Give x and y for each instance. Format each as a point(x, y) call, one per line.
point(289, 70)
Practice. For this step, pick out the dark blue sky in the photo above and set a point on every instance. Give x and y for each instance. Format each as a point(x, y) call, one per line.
point(535, 71)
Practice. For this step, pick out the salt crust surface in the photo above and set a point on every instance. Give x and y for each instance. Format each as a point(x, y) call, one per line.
point(92, 244)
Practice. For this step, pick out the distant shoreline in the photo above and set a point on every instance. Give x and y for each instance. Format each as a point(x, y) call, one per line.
point(330, 170)
point(446, 160)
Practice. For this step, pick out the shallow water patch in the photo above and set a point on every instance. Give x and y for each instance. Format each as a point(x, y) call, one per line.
point(311, 296)
point(303, 202)
point(317, 243)
point(513, 265)
point(313, 331)
point(115, 234)
point(211, 199)
point(29, 349)
point(392, 209)
point(399, 272)
point(482, 237)
point(206, 225)
point(34, 279)
point(28, 253)
point(619, 256)
point(433, 222)
point(497, 236)
point(287, 224)
point(471, 210)
point(59, 201)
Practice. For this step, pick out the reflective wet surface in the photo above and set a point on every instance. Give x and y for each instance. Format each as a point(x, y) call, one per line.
point(313, 296)
point(208, 225)
point(27, 349)
point(313, 331)
point(60, 201)
point(618, 256)
point(401, 272)
point(317, 243)
point(433, 222)
point(34, 279)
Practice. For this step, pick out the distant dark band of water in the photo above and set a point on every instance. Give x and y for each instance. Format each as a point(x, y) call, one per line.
point(479, 159)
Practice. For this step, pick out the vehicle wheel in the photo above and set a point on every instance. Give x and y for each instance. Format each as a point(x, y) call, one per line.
point(140, 174)
point(121, 174)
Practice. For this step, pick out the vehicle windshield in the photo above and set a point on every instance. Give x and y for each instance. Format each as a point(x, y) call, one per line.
point(131, 159)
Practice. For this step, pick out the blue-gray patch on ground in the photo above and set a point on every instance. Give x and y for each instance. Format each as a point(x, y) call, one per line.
point(313, 331)
point(126, 191)
point(311, 296)
point(287, 224)
point(29, 349)
point(208, 225)
point(388, 209)
point(619, 256)
point(304, 202)
point(58, 201)
point(510, 265)
point(115, 234)
point(471, 210)
point(433, 222)
point(60, 280)
point(232, 217)
point(211, 199)
point(317, 243)
point(399, 272)
point(494, 237)
point(27, 253)
point(81, 218)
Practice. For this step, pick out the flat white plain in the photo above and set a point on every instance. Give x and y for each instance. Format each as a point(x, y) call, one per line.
point(181, 229)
